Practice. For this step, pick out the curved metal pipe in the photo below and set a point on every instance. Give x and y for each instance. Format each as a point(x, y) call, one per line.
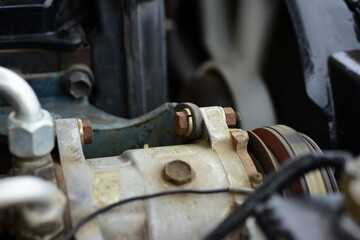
point(26, 190)
point(45, 199)
point(20, 95)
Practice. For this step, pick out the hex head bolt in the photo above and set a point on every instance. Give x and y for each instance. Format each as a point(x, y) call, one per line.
point(178, 172)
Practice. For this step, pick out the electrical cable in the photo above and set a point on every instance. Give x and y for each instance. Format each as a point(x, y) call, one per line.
point(240, 190)
point(287, 173)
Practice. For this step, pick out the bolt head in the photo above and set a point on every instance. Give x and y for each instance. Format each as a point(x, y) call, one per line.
point(87, 131)
point(178, 172)
point(181, 123)
point(230, 116)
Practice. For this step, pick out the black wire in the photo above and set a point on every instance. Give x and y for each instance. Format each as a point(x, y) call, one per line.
point(86, 219)
point(288, 172)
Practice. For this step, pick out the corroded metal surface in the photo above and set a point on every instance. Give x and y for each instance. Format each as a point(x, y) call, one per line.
point(175, 217)
point(138, 172)
point(94, 183)
point(154, 128)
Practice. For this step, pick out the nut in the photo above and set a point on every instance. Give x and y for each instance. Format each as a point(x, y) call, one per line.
point(181, 123)
point(178, 172)
point(39, 166)
point(230, 117)
point(87, 137)
point(31, 139)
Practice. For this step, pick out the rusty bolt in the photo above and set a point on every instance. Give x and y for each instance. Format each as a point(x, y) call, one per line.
point(178, 172)
point(86, 131)
point(230, 116)
point(181, 123)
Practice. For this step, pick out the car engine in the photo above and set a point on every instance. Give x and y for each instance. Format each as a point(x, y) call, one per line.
point(152, 119)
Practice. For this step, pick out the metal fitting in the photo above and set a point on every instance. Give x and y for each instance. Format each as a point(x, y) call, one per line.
point(41, 203)
point(30, 129)
point(29, 139)
point(40, 166)
point(178, 172)
point(86, 131)
point(230, 117)
point(180, 123)
point(183, 122)
point(78, 80)
point(194, 119)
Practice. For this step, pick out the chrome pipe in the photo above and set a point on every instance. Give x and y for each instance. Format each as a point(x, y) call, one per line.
point(41, 202)
point(20, 95)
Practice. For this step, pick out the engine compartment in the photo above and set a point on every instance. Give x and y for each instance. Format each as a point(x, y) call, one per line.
point(152, 119)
